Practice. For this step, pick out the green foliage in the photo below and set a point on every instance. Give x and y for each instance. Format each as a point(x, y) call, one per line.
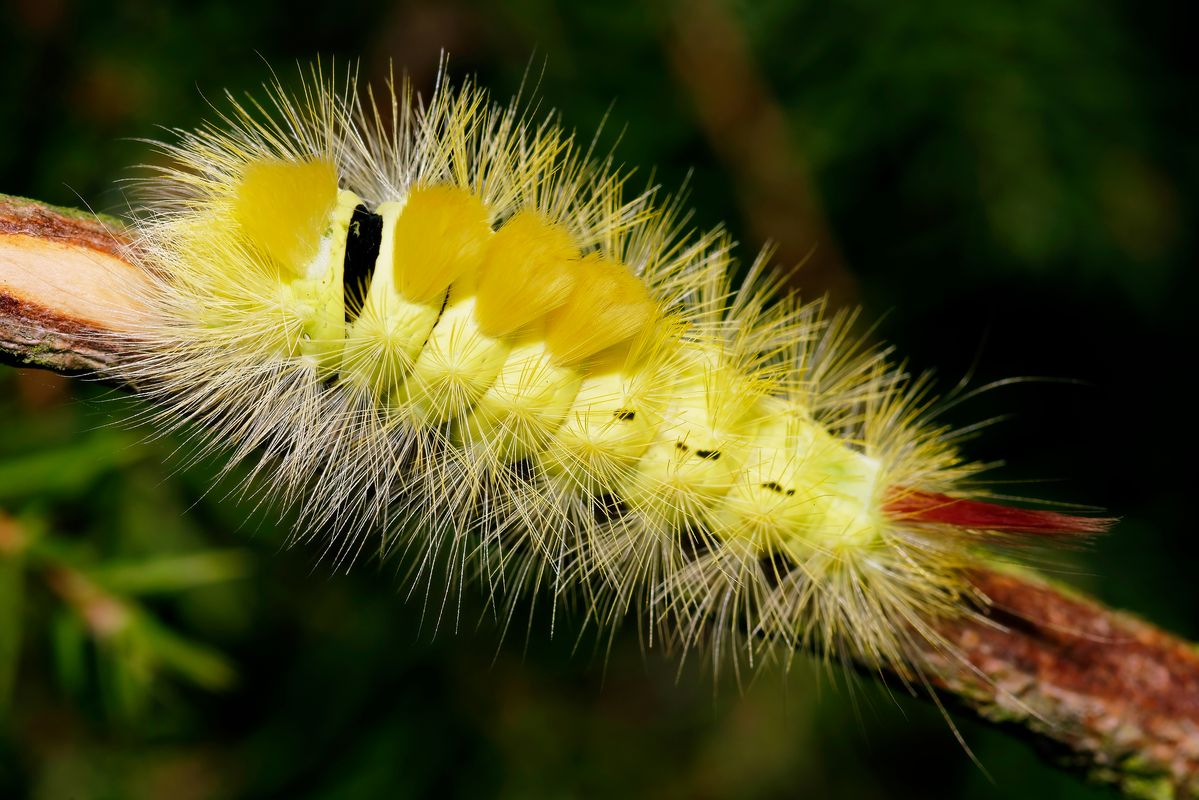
point(104, 641)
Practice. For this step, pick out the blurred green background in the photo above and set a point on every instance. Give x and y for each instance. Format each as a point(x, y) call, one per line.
point(1011, 187)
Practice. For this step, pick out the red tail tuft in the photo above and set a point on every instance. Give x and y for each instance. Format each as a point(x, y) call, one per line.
point(940, 509)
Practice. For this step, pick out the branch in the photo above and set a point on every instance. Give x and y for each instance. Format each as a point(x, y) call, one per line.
point(1099, 691)
point(62, 279)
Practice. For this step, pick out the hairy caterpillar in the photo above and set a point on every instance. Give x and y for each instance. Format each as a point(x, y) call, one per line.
point(446, 330)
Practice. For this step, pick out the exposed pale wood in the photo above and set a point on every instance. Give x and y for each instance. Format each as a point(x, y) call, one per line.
point(62, 279)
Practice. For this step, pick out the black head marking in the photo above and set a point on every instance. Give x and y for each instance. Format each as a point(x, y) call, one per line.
point(363, 241)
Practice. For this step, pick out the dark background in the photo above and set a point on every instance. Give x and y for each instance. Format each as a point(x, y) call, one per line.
point(1010, 187)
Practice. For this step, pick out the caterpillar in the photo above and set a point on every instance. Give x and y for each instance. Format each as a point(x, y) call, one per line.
point(447, 331)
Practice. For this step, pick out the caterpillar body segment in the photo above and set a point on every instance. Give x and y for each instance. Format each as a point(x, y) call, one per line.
point(441, 330)
point(456, 366)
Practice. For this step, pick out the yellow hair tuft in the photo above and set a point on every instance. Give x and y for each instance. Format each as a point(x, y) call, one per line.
point(530, 269)
point(282, 209)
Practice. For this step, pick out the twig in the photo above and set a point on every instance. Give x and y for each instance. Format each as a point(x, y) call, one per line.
point(1102, 692)
point(62, 278)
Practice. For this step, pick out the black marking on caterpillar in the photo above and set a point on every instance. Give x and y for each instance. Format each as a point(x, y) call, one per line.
point(363, 240)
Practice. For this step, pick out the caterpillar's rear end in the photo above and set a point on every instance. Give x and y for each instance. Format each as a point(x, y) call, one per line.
point(444, 331)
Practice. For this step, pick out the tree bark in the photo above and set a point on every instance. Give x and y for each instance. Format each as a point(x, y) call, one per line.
point(1098, 691)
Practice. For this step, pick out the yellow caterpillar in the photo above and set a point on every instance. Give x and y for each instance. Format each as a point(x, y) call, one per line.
point(442, 329)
